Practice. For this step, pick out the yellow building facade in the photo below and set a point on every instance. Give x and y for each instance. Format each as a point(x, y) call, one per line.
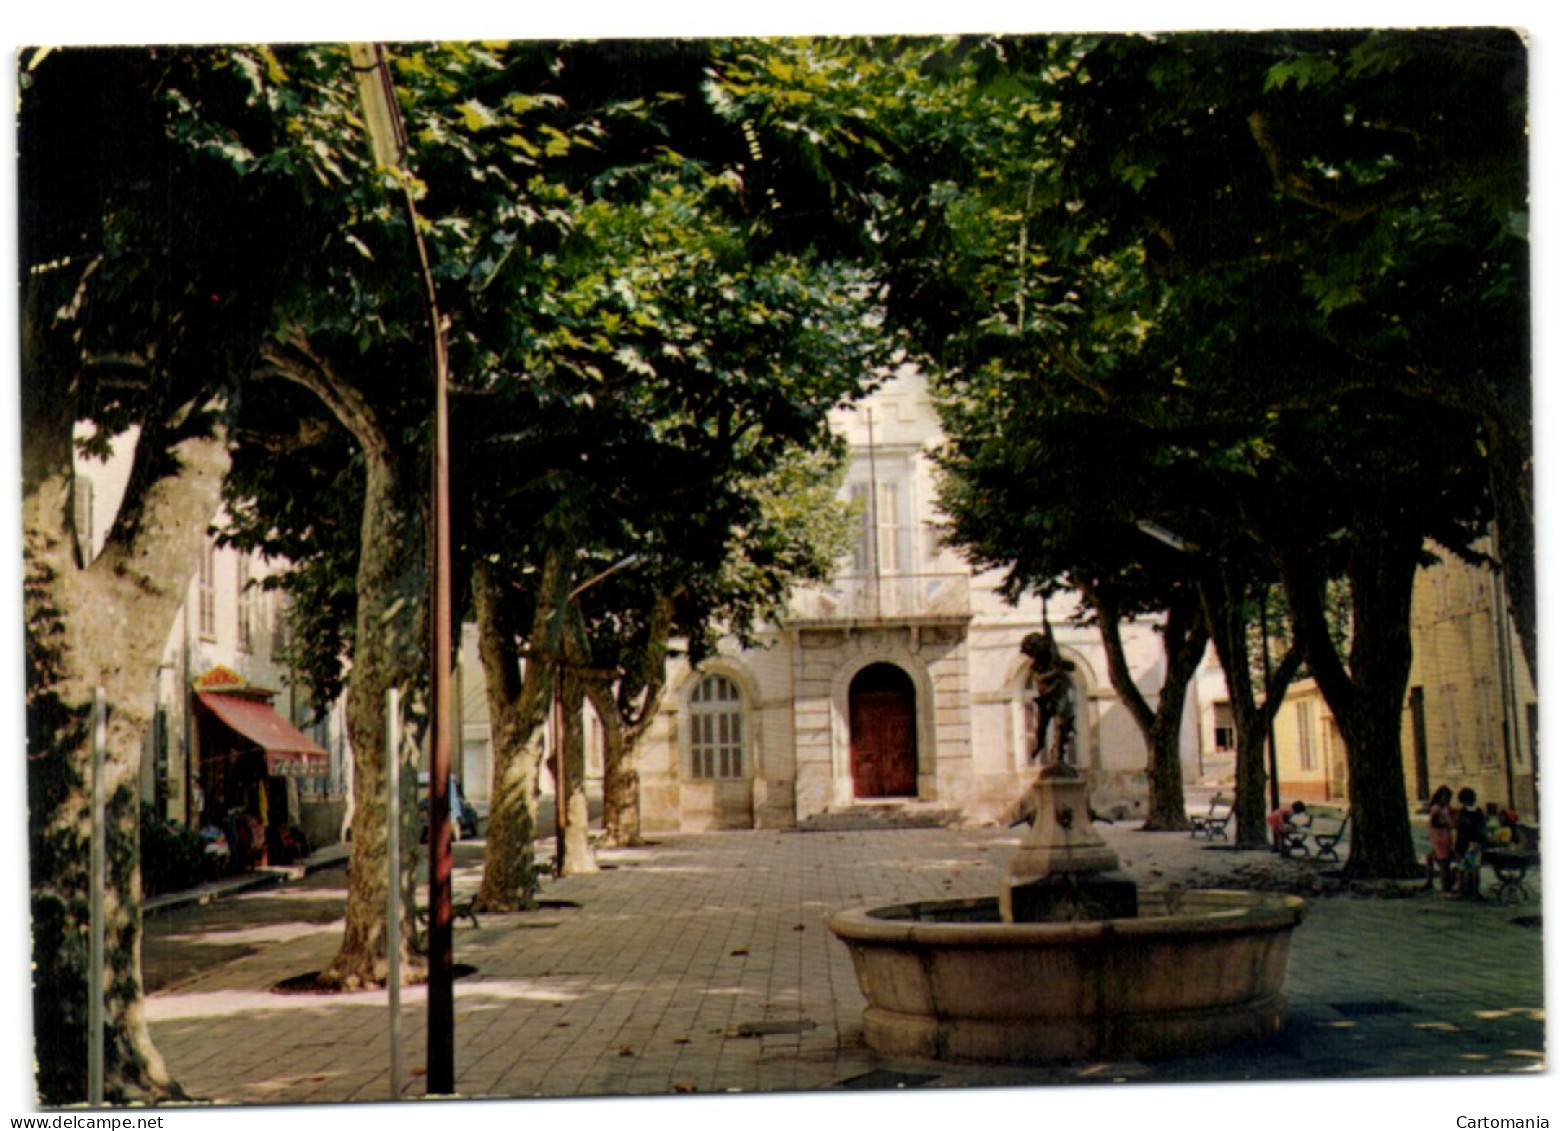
point(1471, 714)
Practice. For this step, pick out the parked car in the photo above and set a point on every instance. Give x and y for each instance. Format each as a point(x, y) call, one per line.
point(463, 818)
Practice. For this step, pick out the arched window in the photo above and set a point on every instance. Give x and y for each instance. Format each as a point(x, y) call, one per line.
point(715, 711)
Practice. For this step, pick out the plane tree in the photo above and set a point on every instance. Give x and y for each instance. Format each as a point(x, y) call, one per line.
point(1062, 501)
point(613, 579)
point(344, 494)
point(1304, 251)
point(143, 308)
point(332, 470)
point(947, 155)
point(627, 339)
point(788, 528)
point(664, 380)
point(1331, 227)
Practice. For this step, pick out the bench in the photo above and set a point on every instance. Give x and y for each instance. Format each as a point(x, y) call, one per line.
point(1511, 868)
point(1511, 863)
point(1324, 827)
point(1214, 824)
point(459, 909)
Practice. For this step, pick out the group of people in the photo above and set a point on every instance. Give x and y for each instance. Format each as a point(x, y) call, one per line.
point(1459, 835)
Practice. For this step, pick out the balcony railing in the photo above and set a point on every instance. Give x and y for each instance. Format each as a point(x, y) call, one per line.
point(900, 596)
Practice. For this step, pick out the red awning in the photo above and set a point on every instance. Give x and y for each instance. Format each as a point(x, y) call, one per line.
point(288, 751)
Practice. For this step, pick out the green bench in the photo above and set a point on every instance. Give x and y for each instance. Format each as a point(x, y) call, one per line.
point(1318, 836)
point(1214, 824)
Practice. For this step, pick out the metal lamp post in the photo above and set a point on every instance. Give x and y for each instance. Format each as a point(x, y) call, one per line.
point(388, 137)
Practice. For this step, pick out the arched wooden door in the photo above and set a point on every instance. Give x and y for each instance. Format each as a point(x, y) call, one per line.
point(882, 732)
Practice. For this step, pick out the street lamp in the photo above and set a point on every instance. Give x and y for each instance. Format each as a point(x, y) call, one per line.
point(388, 136)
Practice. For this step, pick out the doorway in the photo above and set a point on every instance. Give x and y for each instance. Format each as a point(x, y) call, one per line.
point(883, 759)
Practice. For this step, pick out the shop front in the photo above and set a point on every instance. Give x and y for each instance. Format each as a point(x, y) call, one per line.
point(250, 761)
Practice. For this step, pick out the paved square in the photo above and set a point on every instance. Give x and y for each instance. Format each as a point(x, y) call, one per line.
point(702, 964)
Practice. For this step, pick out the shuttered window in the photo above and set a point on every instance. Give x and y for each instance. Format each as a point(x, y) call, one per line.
point(715, 711)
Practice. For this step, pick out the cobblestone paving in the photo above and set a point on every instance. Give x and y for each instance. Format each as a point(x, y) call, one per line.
point(702, 964)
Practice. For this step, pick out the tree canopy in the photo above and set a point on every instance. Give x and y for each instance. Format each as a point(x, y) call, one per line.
point(1265, 292)
point(1261, 290)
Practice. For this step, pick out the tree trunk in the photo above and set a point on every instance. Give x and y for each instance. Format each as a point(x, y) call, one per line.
point(620, 786)
point(388, 652)
point(620, 820)
point(619, 778)
point(1511, 462)
point(1366, 697)
point(625, 718)
point(1184, 634)
point(517, 708)
point(1225, 608)
point(103, 624)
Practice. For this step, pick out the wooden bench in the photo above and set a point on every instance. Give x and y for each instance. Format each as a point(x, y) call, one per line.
point(1214, 824)
point(1322, 830)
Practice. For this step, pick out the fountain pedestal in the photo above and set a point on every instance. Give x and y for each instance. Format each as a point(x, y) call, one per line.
point(1061, 872)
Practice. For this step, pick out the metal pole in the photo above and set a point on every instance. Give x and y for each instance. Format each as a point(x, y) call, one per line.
point(387, 134)
point(441, 972)
point(1267, 706)
point(458, 724)
point(192, 816)
point(393, 899)
point(95, 944)
point(872, 517)
point(560, 776)
point(1505, 668)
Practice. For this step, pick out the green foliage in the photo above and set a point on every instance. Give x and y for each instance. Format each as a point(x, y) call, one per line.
point(172, 855)
point(1223, 283)
point(1266, 292)
point(633, 350)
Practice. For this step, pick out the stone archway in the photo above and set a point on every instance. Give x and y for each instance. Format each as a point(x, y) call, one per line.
point(884, 759)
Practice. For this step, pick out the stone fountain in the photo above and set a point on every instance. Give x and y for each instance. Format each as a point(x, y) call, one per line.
point(1070, 960)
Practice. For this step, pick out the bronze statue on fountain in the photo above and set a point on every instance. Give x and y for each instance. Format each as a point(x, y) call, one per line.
point(1063, 870)
point(1070, 961)
point(1056, 715)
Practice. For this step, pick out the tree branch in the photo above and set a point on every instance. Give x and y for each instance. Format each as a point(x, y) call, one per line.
point(1116, 658)
point(1290, 180)
point(296, 361)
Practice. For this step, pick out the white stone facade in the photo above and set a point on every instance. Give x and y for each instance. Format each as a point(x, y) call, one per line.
point(224, 621)
point(949, 642)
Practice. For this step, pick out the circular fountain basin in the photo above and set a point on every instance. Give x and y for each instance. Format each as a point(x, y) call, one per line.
point(1193, 970)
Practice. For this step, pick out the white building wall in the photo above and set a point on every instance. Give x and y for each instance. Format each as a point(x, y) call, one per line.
point(193, 649)
point(960, 651)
